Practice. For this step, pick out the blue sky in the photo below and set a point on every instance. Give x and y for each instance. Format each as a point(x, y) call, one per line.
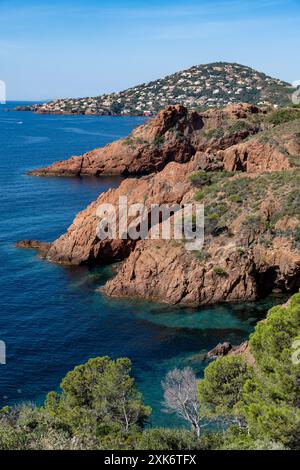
point(63, 48)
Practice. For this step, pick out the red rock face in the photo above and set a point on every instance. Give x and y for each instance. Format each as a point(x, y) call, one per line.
point(80, 245)
point(254, 157)
point(175, 134)
point(165, 271)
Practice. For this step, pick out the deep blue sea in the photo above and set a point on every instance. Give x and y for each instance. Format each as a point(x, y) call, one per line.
point(51, 317)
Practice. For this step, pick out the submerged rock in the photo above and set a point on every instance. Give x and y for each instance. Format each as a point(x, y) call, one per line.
point(41, 247)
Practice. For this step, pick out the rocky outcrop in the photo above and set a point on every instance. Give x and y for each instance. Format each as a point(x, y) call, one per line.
point(165, 272)
point(41, 247)
point(250, 245)
point(254, 157)
point(276, 149)
point(236, 138)
point(252, 216)
point(32, 107)
point(245, 260)
point(175, 134)
point(160, 270)
point(227, 349)
point(222, 349)
point(81, 245)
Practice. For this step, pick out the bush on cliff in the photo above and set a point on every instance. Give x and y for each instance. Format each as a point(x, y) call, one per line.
point(168, 439)
point(282, 116)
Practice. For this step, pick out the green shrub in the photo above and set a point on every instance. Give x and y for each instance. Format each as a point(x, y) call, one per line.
point(297, 235)
point(201, 255)
point(158, 141)
point(215, 133)
point(240, 126)
point(252, 220)
point(219, 271)
point(200, 178)
point(168, 439)
point(281, 116)
point(236, 198)
point(130, 142)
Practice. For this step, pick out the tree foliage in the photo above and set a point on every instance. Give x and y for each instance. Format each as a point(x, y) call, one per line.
point(266, 398)
point(221, 390)
point(99, 396)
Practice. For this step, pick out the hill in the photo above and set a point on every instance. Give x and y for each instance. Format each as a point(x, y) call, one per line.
point(202, 86)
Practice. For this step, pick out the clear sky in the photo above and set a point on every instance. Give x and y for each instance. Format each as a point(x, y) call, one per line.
point(78, 48)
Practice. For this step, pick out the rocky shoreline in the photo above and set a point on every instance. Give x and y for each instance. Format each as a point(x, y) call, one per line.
point(240, 163)
point(34, 108)
point(227, 349)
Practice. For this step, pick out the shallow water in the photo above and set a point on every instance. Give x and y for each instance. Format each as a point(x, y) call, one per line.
point(51, 317)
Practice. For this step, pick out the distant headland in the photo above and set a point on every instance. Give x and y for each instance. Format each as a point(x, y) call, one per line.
point(203, 86)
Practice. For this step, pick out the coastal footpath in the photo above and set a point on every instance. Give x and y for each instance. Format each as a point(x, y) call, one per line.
point(241, 162)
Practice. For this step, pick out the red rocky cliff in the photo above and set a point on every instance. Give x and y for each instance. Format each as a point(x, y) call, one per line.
point(175, 134)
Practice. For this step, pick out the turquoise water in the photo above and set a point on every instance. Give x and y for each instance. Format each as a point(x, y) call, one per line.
point(51, 317)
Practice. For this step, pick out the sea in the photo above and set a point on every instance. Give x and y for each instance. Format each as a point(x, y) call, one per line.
point(53, 318)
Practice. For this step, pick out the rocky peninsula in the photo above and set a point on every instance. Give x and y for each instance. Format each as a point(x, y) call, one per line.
point(242, 162)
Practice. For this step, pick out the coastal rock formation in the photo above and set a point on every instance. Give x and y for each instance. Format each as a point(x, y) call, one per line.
point(276, 149)
point(41, 247)
point(227, 349)
point(244, 256)
point(158, 270)
point(175, 134)
point(252, 209)
point(80, 245)
point(222, 349)
point(251, 247)
point(168, 273)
